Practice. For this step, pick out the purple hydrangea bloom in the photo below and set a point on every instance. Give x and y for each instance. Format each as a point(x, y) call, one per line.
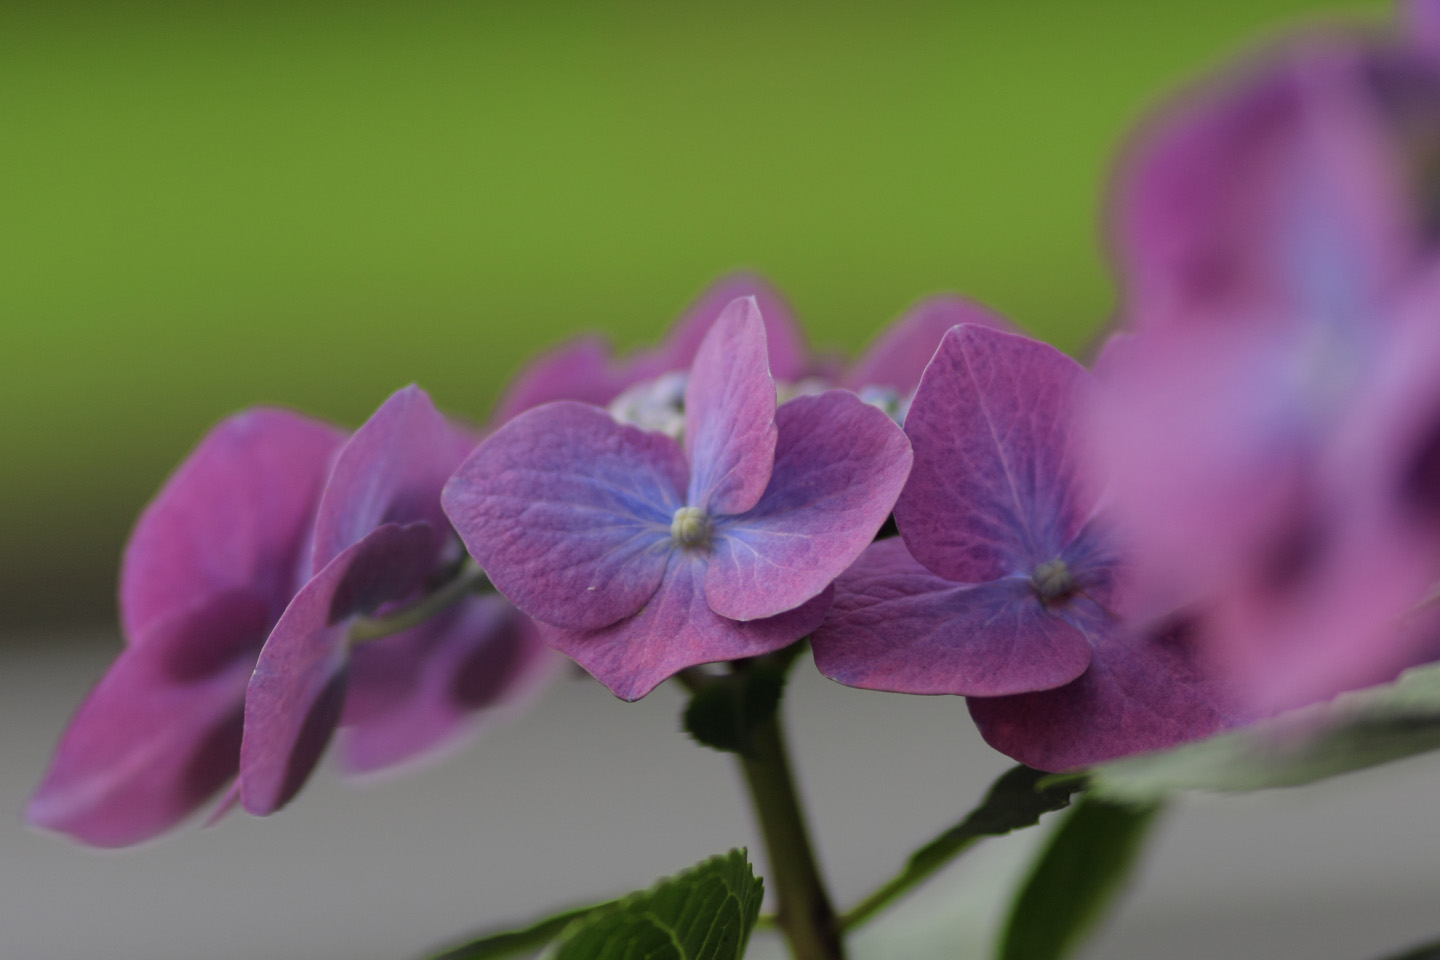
point(1276, 241)
point(1007, 586)
point(586, 369)
point(211, 565)
point(380, 538)
point(645, 556)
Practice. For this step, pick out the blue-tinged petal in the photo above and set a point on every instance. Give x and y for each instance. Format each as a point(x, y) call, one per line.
point(896, 626)
point(675, 630)
point(839, 465)
point(391, 471)
point(730, 402)
point(996, 488)
point(234, 516)
point(296, 693)
point(569, 513)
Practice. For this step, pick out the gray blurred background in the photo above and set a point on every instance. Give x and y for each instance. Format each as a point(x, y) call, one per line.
point(208, 206)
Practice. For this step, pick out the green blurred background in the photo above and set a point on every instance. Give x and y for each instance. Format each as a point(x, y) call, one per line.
point(204, 206)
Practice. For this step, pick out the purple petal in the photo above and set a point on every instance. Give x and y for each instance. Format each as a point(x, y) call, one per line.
point(295, 695)
point(896, 626)
point(1420, 20)
point(789, 357)
point(897, 358)
point(995, 489)
point(160, 734)
point(839, 465)
point(418, 691)
point(234, 515)
point(1139, 694)
point(675, 630)
point(1273, 200)
point(730, 414)
point(391, 471)
point(581, 369)
point(569, 513)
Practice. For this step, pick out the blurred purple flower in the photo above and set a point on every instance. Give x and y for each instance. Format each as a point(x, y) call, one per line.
point(1275, 234)
point(211, 565)
point(380, 539)
point(586, 369)
point(645, 557)
point(1007, 587)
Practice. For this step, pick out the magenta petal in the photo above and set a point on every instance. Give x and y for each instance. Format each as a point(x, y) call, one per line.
point(234, 515)
point(418, 691)
point(675, 630)
point(839, 465)
point(160, 734)
point(1271, 200)
point(995, 489)
point(569, 513)
point(730, 404)
point(295, 695)
point(391, 471)
point(896, 626)
point(1140, 694)
point(897, 358)
point(789, 357)
point(580, 369)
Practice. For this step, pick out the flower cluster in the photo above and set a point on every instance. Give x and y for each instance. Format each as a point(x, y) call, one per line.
point(1236, 510)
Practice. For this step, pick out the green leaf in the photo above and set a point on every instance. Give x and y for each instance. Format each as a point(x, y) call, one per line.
point(705, 913)
point(1351, 732)
point(510, 943)
point(1076, 877)
point(724, 712)
point(1017, 799)
point(1429, 951)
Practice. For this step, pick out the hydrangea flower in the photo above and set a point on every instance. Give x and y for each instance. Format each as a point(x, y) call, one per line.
point(1006, 585)
point(380, 539)
point(1275, 238)
point(211, 565)
point(645, 556)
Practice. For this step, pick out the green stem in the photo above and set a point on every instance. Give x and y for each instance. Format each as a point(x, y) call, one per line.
point(804, 913)
point(467, 580)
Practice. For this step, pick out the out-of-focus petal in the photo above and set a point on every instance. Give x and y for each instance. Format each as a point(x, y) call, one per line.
point(839, 466)
point(390, 471)
point(1420, 20)
point(898, 356)
point(234, 516)
point(896, 626)
point(420, 691)
point(996, 487)
point(569, 513)
point(159, 736)
point(675, 630)
point(1273, 199)
point(298, 688)
point(580, 369)
point(730, 402)
point(1139, 694)
point(789, 356)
